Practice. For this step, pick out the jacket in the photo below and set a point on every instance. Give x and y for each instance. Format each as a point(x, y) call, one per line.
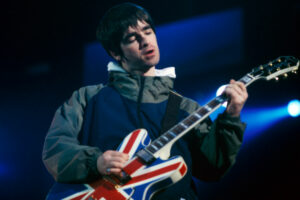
point(97, 118)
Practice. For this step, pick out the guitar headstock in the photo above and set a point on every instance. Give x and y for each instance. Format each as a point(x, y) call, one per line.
point(278, 67)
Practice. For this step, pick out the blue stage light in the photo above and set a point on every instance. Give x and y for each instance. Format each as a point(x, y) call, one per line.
point(3, 169)
point(294, 108)
point(260, 119)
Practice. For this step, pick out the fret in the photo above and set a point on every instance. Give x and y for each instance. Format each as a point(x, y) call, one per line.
point(159, 142)
point(197, 115)
point(152, 148)
point(188, 121)
point(220, 99)
point(202, 111)
point(246, 79)
point(213, 103)
point(194, 118)
point(178, 129)
point(207, 107)
point(173, 135)
point(169, 136)
point(165, 138)
point(184, 126)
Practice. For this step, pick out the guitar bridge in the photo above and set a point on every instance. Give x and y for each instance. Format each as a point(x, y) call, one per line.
point(118, 181)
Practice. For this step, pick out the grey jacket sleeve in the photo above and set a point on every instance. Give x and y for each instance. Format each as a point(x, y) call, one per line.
point(215, 145)
point(64, 157)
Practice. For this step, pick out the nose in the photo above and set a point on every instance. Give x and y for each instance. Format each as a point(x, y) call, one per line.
point(143, 40)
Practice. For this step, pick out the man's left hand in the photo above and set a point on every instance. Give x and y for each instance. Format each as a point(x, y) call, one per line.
point(237, 95)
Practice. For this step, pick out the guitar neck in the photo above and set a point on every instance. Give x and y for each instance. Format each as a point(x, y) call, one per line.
point(179, 130)
point(280, 66)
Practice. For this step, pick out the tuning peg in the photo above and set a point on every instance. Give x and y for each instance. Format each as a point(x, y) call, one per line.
point(278, 60)
point(278, 69)
point(276, 79)
point(261, 67)
point(285, 75)
point(270, 64)
point(295, 72)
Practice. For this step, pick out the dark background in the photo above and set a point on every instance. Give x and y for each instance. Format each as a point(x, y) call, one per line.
point(41, 63)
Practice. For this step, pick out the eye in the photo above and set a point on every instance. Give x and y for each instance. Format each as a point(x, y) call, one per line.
point(148, 31)
point(131, 39)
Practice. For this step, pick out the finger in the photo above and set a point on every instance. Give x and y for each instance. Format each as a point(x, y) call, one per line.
point(242, 91)
point(110, 156)
point(114, 164)
point(119, 154)
point(235, 98)
point(119, 159)
point(239, 88)
point(231, 91)
point(238, 83)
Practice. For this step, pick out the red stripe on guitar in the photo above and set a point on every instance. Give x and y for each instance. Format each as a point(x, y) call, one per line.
point(131, 141)
point(79, 197)
point(183, 169)
point(133, 166)
point(107, 191)
point(153, 174)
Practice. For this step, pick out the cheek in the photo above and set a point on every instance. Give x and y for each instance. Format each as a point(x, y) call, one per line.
point(130, 52)
point(154, 40)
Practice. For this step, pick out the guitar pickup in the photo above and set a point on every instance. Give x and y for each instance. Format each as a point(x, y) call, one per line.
point(145, 156)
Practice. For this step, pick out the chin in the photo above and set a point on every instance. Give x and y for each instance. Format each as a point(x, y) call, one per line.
point(154, 61)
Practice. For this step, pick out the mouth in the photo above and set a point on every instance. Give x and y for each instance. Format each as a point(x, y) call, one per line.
point(149, 52)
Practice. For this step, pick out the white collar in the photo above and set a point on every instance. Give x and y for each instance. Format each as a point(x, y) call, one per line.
point(168, 71)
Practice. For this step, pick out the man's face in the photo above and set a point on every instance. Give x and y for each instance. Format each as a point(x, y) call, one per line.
point(139, 47)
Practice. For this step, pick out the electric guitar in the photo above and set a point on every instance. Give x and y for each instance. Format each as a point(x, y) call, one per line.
point(149, 168)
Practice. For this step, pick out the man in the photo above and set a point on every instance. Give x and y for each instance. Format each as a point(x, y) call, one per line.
point(86, 130)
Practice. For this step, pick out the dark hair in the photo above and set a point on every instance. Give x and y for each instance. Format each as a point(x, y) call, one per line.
point(116, 21)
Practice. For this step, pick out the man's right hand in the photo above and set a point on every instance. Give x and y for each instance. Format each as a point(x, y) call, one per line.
point(111, 162)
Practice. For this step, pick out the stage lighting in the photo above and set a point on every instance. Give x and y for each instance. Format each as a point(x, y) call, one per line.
point(294, 108)
point(220, 91)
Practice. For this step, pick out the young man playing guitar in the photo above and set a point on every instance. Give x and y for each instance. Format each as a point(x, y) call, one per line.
point(81, 143)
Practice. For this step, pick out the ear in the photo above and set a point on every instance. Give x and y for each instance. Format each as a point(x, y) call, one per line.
point(115, 56)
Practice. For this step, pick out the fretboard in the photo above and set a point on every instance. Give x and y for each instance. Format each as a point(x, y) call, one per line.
point(191, 121)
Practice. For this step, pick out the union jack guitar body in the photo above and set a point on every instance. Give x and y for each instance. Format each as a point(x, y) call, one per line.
point(144, 180)
point(149, 168)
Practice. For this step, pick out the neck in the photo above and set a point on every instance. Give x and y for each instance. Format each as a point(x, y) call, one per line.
point(149, 72)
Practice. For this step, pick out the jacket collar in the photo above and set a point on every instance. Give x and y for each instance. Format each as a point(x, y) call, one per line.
point(155, 89)
point(169, 71)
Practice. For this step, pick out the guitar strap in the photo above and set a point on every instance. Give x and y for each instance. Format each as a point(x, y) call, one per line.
point(171, 115)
